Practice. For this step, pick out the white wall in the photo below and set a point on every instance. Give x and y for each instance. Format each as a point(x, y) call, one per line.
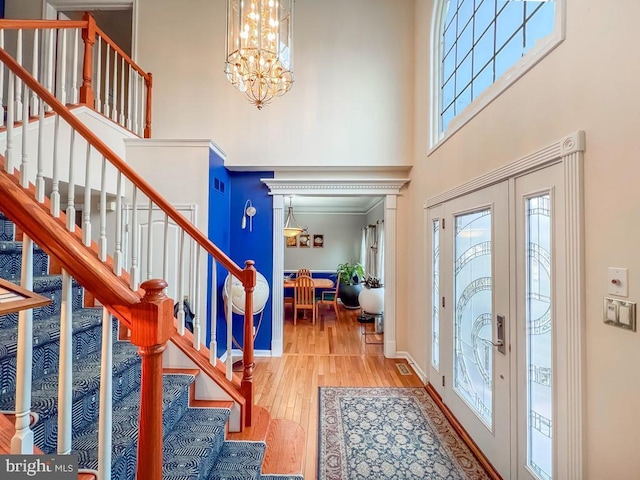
point(350, 103)
point(341, 241)
point(589, 82)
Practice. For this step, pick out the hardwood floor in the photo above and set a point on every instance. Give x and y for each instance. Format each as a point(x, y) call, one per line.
point(330, 353)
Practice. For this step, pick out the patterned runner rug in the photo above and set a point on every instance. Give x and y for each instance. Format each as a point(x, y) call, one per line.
point(389, 433)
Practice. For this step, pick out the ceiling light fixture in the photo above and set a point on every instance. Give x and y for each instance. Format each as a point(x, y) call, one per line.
point(260, 48)
point(291, 226)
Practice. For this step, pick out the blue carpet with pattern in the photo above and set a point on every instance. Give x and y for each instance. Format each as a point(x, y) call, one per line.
point(194, 438)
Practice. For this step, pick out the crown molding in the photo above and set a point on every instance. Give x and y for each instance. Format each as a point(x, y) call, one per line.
point(378, 186)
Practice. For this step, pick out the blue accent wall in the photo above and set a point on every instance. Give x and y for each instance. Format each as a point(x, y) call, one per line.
point(228, 193)
point(1, 8)
point(256, 245)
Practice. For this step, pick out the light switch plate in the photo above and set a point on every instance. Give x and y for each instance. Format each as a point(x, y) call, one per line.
point(618, 279)
point(619, 313)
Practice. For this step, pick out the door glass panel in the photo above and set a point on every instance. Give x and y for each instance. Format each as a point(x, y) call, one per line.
point(435, 295)
point(539, 340)
point(473, 356)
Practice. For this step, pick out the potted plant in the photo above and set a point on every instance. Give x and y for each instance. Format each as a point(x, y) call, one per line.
point(349, 274)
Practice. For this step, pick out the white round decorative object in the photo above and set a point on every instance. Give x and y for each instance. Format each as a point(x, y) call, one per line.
point(233, 288)
point(372, 300)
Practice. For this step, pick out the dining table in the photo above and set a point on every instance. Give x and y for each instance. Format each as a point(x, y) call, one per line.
point(317, 282)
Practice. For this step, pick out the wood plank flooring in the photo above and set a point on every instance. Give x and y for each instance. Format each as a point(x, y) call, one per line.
point(330, 353)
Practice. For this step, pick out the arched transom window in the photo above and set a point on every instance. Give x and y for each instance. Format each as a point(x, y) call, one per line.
point(477, 42)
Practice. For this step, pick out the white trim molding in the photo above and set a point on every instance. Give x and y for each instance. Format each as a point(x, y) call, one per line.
point(388, 187)
point(568, 151)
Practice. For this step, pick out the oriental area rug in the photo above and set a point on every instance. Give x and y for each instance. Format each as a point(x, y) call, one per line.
point(389, 433)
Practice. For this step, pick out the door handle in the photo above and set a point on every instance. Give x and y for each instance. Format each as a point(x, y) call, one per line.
point(500, 319)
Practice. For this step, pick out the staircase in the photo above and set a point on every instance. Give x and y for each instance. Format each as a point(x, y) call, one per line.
point(194, 437)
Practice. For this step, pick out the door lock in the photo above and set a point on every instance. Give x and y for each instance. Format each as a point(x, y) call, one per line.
point(500, 334)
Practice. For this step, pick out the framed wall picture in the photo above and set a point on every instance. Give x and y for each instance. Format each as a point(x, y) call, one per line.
point(318, 241)
point(292, 242)
point(304, 241)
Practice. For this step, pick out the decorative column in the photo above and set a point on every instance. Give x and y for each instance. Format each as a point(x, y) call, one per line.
point(390, 225)
point(277, 307)
point(152, 327)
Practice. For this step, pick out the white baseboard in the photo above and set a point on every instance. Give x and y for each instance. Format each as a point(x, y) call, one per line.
point(412, 363)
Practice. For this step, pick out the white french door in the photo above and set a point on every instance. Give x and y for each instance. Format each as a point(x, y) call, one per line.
point(498, 263)
point(473, 363)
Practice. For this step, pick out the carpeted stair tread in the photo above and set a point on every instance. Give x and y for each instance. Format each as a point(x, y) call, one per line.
point(11, 260)
point(47, 329)
point(175, 400)
point(86, 384)
point(49, 286)
point(239, 460)
point(6, 229)
point(192, 447)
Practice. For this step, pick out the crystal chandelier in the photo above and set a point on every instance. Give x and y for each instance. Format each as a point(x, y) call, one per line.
point(260, 48)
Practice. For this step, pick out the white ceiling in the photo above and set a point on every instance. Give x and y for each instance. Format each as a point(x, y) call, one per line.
point(358, 204)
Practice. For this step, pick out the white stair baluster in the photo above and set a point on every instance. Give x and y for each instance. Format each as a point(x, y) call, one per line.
point(55, 182)
point(105, 422)
point(98, 85)
point(19, 97)
point(10, 121)
point(2, 69)
point(195, 306)
point(22, 441)
point(35, 69)
point(75, 92)
point(40, 159)
point(71, 211)
point(165, 250)
point(107, 67)
point(122, 91)
point(117, 256)
point(24, 165)
point(181, 283)
point(62, 95)
point(213, 345)
point(86, 209)
point(136, 86)
point(135, 248)
point(150, 241)
point(114, 98)
point(130, 96)
point(65, 377)
point(49, 59)
point(102, 246)
point(228, 310)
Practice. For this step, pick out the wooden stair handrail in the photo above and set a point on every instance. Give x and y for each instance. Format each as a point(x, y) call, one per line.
point(244, 275)
point(89, 32)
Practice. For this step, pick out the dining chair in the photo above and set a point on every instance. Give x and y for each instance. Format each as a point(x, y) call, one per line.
point(304, 271)
point(329, 297)
point(304, 297)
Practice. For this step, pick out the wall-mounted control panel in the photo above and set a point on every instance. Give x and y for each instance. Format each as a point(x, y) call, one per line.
point(618, 280)
point(620, 313)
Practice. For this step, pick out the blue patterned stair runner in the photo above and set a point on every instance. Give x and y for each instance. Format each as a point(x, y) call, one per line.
point(194, 438)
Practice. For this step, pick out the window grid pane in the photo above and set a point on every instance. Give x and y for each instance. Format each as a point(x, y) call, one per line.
point(499, 32)
point(539, 323)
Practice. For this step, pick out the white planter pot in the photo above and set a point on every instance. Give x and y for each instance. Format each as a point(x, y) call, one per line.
point(372, 300)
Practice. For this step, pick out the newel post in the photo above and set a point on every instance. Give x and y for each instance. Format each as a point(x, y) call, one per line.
point(147, 124)
point(89, 38)
point(152, 327)
point(246, 385)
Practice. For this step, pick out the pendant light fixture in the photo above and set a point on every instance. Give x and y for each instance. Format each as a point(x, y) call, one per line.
point(291, 226)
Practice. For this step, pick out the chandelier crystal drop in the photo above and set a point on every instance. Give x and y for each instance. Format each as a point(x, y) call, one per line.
point(260, 48)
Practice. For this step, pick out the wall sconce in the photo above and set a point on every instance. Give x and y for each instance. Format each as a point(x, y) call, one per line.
point(249, 211)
